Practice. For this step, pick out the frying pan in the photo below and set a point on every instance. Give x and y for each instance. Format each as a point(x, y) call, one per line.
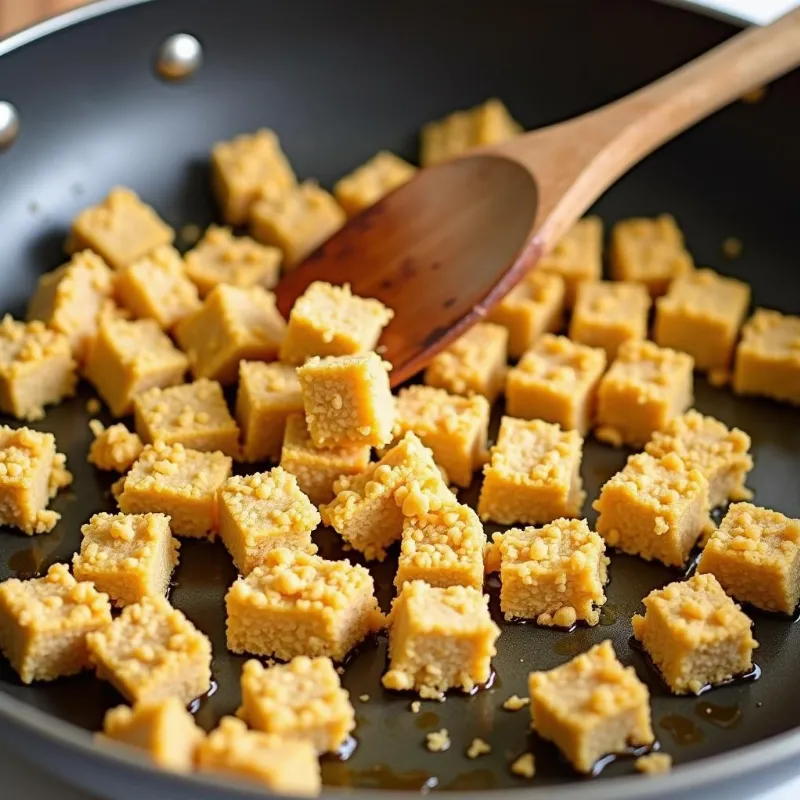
point(339, 81)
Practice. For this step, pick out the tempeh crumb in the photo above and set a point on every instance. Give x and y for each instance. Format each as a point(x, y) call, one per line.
point(415, 707)
point(654, 763)
point(364, 698)
point(732, 247)
point(515, 703)
point(93, 406)
point(438, 741)
point(524, 766)
point(478, 747)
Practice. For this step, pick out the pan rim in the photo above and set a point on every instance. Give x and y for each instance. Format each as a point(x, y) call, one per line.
point(757, 757)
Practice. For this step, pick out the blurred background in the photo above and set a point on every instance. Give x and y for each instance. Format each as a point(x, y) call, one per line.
point(16, 14)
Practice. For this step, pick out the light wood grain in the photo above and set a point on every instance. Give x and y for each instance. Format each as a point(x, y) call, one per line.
point(16, 14)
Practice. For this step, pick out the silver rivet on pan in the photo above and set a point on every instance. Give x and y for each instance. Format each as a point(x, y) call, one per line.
point(9, 124)
point(179, 57)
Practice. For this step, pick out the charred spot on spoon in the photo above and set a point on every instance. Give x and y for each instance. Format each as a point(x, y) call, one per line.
point(449, 303)
point(433, 337)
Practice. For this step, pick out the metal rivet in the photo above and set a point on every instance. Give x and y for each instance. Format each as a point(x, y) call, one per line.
point(9, 124)
point(179, 57)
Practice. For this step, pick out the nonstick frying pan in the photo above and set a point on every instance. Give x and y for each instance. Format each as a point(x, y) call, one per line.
point(338, 81)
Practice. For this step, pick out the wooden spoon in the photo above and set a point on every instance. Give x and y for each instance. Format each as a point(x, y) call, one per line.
point(444, 248)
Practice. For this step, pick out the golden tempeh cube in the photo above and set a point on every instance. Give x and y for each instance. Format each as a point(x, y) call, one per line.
point(439, 639)
point(114, 448)
point(182, 483)
point(645, 388)
point(704, 443)
point(157, 287)
point(233, 324)
point(297, 221)
point(127, 556)
point(36, 368)
point(244, 169)
point(261, 512)
point(69, 299)
point(192, 414)
point(768, 357)
point(443, 548)
point(44, 623)
point(330, 320)
point(655, 508)
point(151, 651)
point(591, 707)
point(608, 313)
point(555, 575)
point(129, 358)
point(303, 699)
point(163, 728)
point(488, 123)
point(300, 604)
point(474, 364)
point(268, 394)
point(556, 381)
point(347, 400)
point(455, 428)
point(122, 229)
point(363, 187)
point(317, 469)
point(533, 475)
point(755, 555)
point(577, 257)
point(695, 634)
point(649, 251)
point(701, 315)
point(533, 307)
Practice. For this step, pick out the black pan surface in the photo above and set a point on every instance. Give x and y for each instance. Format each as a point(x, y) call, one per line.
point(339, 81)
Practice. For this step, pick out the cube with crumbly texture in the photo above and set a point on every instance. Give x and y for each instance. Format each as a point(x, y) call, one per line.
point(577, 257)
point(608, 313)
point(768, 357)
point(36, 368)
point(488, 123)
point(645, 388)
point(130, 357)
point(533, 307)
point(31, 472)
point(44, 624)
point(363, 187)
point(318, 469)
point(555, 575)
point(655, 508)
point(157, 287)
point(556, 381)
point(127, 556)
point(114, 448)
point(284, 766)
point(347, 400)
point(330, 320)
point(649, 251)
point(443, 548)
point(303, 699)
point(296, 221)
point(163, 728)
point(439, 639)
point(455, 428)
point(298, 604)
point(234, 323)
point(591, 707)
point(192, 414)
point(260, 512)
point(221, 257)
point(369, 509)
point(755, 555)
point(268, 394)
point(474, 364)
point(178, 481)
point(122, 229)
point(704, 443)
point(533, 475)
point(69, 299)
point(695, 634)
point(244, 169)
point(701, 315)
